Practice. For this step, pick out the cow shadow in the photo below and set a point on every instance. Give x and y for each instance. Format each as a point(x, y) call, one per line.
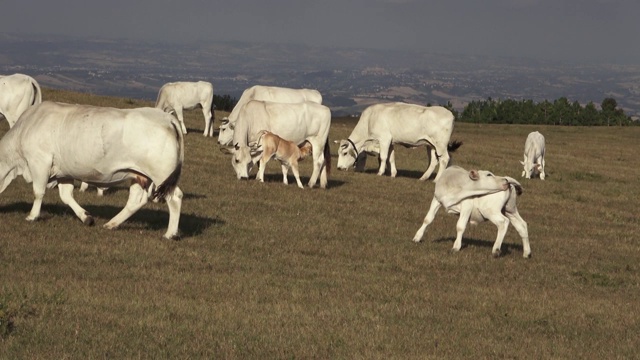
point(402, 173)
point(118, 189)
point(192, 131)
point(506, 248)
point(154, 219)
point(277, 178)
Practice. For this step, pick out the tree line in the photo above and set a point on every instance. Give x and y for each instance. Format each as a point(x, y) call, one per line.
point(558, 112)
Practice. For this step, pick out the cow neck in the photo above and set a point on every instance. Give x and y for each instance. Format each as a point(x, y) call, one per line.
point(354, 147)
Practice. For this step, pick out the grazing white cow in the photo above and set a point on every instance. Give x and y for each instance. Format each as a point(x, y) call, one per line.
point(17, 93)
point(264, 93)
point(176, 96)
point(55, 143)
point(477, 196)
point(534, 149)
point(307, 121)
point(270, 145)
point(400, 123)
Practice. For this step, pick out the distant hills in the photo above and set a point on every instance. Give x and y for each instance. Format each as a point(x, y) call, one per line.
point(349, 79)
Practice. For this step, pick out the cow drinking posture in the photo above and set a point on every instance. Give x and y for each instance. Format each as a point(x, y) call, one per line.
point(176, 96)
point(398, 123)
point(17, 93)
point(270, 145)
point(534, 149)
point(55, 143)
point(264, 93)
point(477, 196)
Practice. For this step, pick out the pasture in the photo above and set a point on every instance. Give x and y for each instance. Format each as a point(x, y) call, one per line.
point(273, 271)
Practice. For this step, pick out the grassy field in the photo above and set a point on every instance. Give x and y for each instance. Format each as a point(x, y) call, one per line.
point(273, 271)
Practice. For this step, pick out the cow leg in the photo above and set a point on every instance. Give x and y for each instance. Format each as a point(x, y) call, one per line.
point(83, 186)
point(392, 161)
point(40, 180)
point(174, 202)
point(431, 214)
point(431, 157)
point(181, 119)
point(137, 198)
point(296, 174)
point(542, 174)
point(208, 120)
point(65, 190)
point(384, 155)
point(502, 222)
point(285, 172)
point(521, 227)
point(461, 225)
point(262, 167)
point(318, 163)
point(443, 161)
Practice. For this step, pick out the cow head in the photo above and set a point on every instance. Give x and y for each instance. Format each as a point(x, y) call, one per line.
point(225, 134)
point(530, 169)
point(485, 180)
point(241, 159)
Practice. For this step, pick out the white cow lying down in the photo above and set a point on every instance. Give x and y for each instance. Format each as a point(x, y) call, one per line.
point(477, 196)
point(55, 143)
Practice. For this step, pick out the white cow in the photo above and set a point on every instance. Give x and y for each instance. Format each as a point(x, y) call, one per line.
point(534, 149)
point(55, 143)
point(176, 96)
point(399, 123)
point(477, 196)
point(17, 93)
point(264, 93)
point(307, 121)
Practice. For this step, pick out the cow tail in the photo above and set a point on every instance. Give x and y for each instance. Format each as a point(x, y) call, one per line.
point(169, 184)
point(36, 87)
point(327, 157)
point(454, 145)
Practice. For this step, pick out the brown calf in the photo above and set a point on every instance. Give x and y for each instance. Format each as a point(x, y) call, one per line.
point(288, 153)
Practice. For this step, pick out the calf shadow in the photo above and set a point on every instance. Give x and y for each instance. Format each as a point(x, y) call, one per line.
point(277, 178)
point(505, 249)
point(190, 225)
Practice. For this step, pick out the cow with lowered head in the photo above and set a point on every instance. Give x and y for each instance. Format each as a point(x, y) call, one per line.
point(534, 148)
point(476, 196)
point(383, 125)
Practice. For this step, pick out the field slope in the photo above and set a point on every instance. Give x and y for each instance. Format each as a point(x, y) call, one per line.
point(272, 271)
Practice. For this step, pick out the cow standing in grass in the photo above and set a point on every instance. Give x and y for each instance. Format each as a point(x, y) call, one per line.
point(383, 125)
point(534, 149)
point(297, 123)
point(17, 93)
point(263, 93)
point(177, 96)
point(55, 143)
point(477, 196)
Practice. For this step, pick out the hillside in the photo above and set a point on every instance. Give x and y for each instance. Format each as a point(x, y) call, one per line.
point(349, 79)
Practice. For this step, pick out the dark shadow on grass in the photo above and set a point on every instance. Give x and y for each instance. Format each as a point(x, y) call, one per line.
point(193, 131)
point(506, 249)
point(277, 178)
point(156, 220)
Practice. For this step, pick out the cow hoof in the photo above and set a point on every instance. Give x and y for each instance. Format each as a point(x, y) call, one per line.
point(172, 236)
point(527, 256)
point(455, 250)
point(88, 220)
point(496, 254)
point(29, 218)
point(110, 226)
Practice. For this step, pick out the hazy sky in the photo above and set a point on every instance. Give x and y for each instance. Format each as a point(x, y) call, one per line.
point(575, 30)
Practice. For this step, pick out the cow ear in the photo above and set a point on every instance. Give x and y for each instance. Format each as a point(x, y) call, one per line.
point(538, 167)
point(254, 153)
point(473, 175)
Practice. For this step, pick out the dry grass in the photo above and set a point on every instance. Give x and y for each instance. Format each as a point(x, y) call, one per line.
point(272, 271)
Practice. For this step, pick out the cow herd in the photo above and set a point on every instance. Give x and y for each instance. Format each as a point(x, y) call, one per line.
point(53, 144)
